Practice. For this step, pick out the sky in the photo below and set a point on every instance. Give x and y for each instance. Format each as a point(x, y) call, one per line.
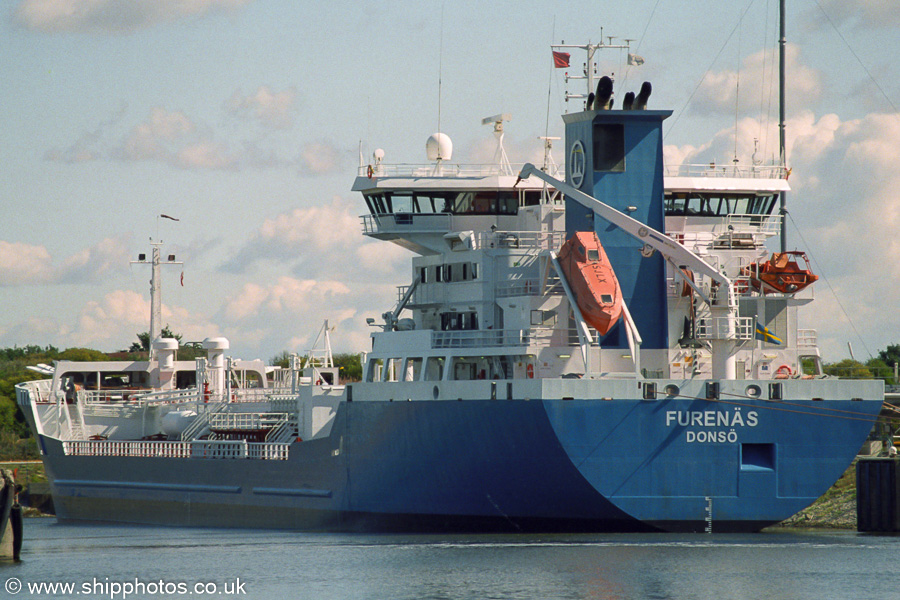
point(245, 119)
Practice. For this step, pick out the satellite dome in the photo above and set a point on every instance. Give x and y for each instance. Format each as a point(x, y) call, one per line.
point(439, 147)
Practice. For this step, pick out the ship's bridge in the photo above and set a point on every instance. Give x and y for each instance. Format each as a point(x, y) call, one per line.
point(417, 212)
point(704, 203)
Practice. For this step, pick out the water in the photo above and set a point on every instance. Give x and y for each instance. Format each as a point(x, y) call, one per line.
point(273, 565)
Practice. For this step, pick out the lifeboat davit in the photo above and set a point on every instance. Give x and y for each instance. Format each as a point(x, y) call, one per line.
point(592, 280)
point(781, 273)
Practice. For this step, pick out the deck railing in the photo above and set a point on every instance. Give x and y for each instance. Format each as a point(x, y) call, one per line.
point(163, 449)
point(720, 328)
point(715, 170)
point(807, 338)
point(490, 338)
point(246, 421)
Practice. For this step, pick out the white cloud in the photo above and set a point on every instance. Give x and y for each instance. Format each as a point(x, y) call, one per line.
point(113, 322)
point(173, 138)
point(206, 154)
point(22, 263)
point(316, 234)
point(319, 158)
point(718, 90)
point(112, 16)
point(92, 264)
point(861, 14)
point(272, 109)
point(157, 137)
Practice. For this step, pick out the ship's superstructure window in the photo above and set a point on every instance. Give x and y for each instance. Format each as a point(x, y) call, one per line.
point(449, 273)
point(413, 370)
point(459, 321)
point(373, 372)
point(434, 368)
point(717, 204)
point(392, 369)
point(485, 202)
point(482, 367)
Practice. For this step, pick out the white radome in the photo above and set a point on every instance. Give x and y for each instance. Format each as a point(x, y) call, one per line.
point(439, 147)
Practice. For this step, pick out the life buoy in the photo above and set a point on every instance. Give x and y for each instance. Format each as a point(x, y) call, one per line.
point(529, 371)
point(783, 372)
point(370, 171)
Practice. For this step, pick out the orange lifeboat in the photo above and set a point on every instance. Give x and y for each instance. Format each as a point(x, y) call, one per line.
point(592, 280)
point(781, 273)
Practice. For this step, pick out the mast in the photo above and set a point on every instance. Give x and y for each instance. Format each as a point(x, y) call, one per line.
point(155, 263)
point(155, 295)
point(591, 50)
point(782, 153)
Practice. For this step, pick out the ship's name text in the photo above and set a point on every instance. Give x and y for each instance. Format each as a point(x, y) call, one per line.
point(711, 418)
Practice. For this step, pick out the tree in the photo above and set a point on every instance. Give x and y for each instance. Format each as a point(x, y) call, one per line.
point(143, 343)
point(890, 355)
point(350, 366)
point(282, 360)
point(848, 369)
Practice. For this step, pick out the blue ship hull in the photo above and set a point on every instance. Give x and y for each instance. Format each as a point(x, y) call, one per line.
point(497, 465)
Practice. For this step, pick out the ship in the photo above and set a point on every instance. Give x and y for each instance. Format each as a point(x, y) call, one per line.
point(490, 400)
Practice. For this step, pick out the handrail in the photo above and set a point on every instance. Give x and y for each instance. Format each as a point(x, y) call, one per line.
point(733, 170)
point(210, 449)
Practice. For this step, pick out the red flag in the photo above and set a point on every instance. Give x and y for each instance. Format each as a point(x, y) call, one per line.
point(182, 279)
point(560, 59)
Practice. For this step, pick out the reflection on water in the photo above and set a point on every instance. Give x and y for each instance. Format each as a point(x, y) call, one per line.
point(772, 565)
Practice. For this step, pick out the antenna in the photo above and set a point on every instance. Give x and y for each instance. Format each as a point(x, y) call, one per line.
point(589, 67)
point(440, 69)
point(500, 154)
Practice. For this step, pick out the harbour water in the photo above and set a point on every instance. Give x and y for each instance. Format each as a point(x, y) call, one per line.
point(119, 562)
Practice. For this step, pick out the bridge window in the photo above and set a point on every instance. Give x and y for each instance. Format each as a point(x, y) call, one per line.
point(717, 205)
point(486, 202)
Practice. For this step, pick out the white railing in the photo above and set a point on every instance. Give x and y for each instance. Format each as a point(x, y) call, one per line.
point(518, 287)
point(163, 449)
point(422, 221)
point(719, 328)
point(530, 240)
point(807, 338)
point(489, 338)
point(201, 420)
point(33, 391)
point(433, 170)
point(166, 396)
point(248, 421)
point(765, 225)
point(714, 170)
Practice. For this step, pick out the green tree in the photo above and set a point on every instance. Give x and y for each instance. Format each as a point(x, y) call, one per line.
point(350, 366)
point(143, 343)
point(890, 355)
point(282, 360)
point(880, 370)
point(848, 369)
point(82, 355)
